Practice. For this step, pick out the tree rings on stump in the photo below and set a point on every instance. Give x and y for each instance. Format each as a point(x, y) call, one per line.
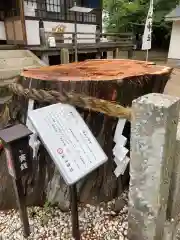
point(114, 80)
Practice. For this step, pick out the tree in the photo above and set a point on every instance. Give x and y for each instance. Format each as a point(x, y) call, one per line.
point(126, 15)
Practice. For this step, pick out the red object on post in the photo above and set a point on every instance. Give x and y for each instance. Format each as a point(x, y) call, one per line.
point(1, 145)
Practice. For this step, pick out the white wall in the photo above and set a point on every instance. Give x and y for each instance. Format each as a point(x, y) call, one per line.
point(174, 48)
point(29, 8)
point(2, 31)
point(32, 27)
point(32, 30)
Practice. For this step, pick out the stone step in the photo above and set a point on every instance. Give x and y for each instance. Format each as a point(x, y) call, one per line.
point(12, 62)
point(4, 54)
point(12, 72)
point(17, 62)
point(8, 47)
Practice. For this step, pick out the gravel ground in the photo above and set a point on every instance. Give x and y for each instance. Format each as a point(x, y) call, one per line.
point(96, 223)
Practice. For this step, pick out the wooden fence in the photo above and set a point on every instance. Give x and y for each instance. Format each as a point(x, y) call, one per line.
point(81, 37)
point(81, 42)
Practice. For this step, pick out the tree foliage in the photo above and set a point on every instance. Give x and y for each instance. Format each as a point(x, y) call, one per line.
point(130, 15)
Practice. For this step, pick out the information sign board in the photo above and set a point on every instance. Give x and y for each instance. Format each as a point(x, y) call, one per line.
point(68, 140)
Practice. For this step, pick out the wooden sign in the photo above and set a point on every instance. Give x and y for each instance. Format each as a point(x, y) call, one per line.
point(19, 163)
point(15, 141)
point(52, 41)
point(68, 140)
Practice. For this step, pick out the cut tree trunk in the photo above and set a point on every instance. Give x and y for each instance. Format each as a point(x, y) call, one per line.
point(114, 80)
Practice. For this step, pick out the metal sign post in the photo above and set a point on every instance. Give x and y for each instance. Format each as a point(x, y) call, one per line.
point(21, 203)
point(71, 145)
point(15, 141)
point(77, 9)
point(74, 212)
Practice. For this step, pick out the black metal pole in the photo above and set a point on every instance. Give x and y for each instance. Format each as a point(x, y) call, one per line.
point(42, 34)
point(75, 46)
point(74, 212)
point(20, 198)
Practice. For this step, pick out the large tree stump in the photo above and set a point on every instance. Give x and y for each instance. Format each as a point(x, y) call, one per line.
point(114, 80)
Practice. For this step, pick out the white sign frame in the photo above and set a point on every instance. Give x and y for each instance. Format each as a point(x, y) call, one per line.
point(52, 41)
point(70, 122)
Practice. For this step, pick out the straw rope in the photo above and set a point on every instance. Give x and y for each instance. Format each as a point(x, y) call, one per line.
point(94, 104)
point(4, 115)
point(90, 103)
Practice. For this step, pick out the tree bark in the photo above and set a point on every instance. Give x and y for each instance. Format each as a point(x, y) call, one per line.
point(102, 184)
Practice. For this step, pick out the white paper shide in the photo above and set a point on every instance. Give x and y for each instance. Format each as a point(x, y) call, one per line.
point(68, 140)
point(146, 42)
point(33, 141)
point(119, 150)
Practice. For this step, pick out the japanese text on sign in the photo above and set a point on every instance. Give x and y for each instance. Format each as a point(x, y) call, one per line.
point(22, 160)
point(68, 140)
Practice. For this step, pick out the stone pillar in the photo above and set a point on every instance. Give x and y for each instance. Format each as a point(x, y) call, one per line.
point(110, 54)
point(170, 230)
point(116, 53)
point(45, 58)
point(130, 54)
point(64, 56)
point(173, 208)
point(153, 142)
point(174, 196)
point(98, 55)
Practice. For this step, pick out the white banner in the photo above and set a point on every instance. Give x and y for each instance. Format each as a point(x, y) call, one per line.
point(147, 37)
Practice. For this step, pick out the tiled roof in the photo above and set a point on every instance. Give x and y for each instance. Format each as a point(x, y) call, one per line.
point(174, 14)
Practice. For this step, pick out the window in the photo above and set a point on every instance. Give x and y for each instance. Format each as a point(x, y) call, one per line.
point(57, 10)
point(70, 15)
point(12, 8)
point(90, 17)
point(2, 11)
point(54, 6)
